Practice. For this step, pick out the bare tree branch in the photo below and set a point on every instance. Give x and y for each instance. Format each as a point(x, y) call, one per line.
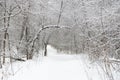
point(44, 28)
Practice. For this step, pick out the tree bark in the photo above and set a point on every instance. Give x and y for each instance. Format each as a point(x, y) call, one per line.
point(45, 51)
point(30, 56)
point(0, 62)
point(75, 44)
point(61, 9)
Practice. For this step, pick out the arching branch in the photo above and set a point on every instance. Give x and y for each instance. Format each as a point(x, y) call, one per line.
point(42, 29)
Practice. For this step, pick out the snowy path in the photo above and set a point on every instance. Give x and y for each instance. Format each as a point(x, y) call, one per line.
point(56, 67)
point(52, 68)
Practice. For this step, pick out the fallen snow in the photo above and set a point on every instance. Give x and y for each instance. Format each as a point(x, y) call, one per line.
point(56, 67)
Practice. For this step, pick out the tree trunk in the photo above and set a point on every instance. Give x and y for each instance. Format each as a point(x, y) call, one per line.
point(30, 56)
point(0, 62)
point(59, 17)
point(26, 39)
point(7, 37)
point(45, 51)
point(75, 44)
point(4, 40)
point(4, 46)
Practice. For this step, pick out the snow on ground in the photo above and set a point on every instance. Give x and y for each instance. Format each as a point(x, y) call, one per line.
point(56, 67)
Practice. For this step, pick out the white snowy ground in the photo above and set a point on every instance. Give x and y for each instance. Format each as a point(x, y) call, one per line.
point(56, 67)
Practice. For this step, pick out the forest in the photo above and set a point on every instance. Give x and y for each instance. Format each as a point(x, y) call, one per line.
point(73, 27)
